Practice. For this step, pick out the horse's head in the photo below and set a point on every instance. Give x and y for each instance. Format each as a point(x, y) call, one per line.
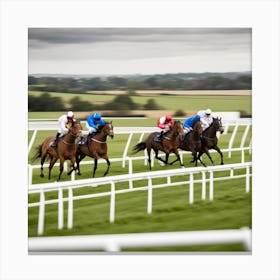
point(108, 129)
point(178, 129)
point(76, 129)
point(197, 127)
point(217, 123)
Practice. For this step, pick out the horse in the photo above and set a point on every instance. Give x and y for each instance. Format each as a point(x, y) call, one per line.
point(65, 149)
point(95, 147)
point(210, 140)
point(192, 142)
point(169, 144)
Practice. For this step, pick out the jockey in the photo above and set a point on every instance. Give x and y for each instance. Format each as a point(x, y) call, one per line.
point(93, 122)
point(188, 123)
point(165, 123)
point(205, 118)
point(64, 122)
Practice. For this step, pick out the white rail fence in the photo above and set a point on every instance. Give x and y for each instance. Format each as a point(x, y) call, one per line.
point(186, 173)
point(116, 242)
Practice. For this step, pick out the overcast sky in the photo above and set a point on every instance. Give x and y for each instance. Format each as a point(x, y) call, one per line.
point(138, 50)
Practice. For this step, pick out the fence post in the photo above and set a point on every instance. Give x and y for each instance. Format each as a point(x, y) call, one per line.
point(244, 136)
point(30, 174)
point(130, 171)
point(32, 140)
point(112, 203)
point(230, 144)
point(126, 149)
point(191, 189)
point(150, 195)
point(60, 208)
point(65, 166)
point(247, 179)
point(211, 186)
point(41, 213)
point(70, 208)
point(203, 190)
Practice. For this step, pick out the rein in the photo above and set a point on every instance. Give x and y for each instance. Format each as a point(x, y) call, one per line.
point(210, 138)
point(67, 142)
point(95, 140)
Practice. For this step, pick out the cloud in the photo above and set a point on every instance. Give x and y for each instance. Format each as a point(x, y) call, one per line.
point(133, 47)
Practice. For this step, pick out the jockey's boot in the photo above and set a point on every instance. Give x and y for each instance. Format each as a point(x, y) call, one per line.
point(88, 138)
point(54, 143)
point(161, 136)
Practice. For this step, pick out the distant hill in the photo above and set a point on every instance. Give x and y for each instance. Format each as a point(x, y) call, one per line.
point(140, 77)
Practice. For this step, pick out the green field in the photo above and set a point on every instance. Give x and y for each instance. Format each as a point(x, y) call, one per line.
point(231, 208)
point(170, 102)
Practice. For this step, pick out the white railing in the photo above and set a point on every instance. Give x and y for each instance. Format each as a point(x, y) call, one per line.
point(149, 176)
point(116, 242)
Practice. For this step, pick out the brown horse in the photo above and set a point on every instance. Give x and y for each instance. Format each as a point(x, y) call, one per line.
point(65, 149)
point(192, 142)
point(210, 140)
point(96, 148)
point(169, 144)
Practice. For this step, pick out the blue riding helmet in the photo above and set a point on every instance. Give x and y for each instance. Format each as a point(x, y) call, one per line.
point(197, 117)
point(97, 116)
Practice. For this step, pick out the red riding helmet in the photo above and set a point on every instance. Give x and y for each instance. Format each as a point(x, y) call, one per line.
point(168, 118)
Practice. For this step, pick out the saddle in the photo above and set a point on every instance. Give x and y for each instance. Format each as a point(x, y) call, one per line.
point(187, 135)
point(157, 137)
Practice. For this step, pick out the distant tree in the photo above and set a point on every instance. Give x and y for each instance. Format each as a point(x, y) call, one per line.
point(76, 104)
point(122, 102)
point(151, 105)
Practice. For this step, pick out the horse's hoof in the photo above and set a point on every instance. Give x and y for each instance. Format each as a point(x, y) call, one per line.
point(41, 175)
point(222, 163)
point(79, 173)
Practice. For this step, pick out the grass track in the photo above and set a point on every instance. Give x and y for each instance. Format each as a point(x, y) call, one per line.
point(231, 207)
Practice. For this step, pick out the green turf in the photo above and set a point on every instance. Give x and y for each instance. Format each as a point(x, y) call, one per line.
point(231, 208)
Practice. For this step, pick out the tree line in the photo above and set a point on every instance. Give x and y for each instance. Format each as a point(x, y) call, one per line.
point(156, 82)
point(47, 103)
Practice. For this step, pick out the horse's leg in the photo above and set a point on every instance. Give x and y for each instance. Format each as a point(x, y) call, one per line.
point(177, 159)
point(199, 158)
point(52, 162)
point(108, 166)
point(60, 167)
point(209, 156)
point(94, 167)
point(159, 158)
point(78, 160)
point(42, 164)
point(221, 154)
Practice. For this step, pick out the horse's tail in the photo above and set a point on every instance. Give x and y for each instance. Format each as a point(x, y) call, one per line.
point(139, 147)
point(38, 153)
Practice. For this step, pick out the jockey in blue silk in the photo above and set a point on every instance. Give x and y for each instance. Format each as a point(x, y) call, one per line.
point(188, 123)
point(93, 122)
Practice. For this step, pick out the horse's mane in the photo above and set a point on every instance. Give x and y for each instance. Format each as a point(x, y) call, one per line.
point(212, 123)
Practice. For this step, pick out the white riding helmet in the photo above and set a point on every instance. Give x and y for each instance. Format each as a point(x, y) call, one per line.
point(208, 111)
point(70, 114)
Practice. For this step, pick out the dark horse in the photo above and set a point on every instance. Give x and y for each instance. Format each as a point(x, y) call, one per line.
point(65, 149)
point(169, 144)
point(95, 147)
point(210, 140)
point(192, 142)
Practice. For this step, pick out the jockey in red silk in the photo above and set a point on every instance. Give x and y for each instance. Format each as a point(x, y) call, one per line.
point(164, 123)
